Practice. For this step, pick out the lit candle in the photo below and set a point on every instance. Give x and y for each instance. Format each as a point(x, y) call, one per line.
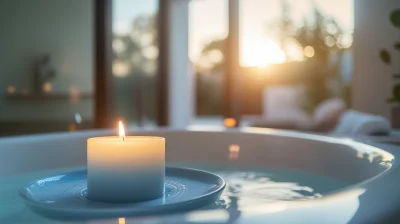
point(125, 168)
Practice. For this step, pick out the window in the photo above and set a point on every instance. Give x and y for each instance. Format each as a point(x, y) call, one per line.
point(135, 60)
point(299, 43)
point(206, 52)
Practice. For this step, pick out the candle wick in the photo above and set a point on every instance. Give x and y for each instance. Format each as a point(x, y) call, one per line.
point(123, 138)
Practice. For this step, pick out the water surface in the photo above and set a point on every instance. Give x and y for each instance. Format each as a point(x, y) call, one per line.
point(246, 185)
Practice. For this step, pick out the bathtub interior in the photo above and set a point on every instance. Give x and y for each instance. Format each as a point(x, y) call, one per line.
point(344, 160)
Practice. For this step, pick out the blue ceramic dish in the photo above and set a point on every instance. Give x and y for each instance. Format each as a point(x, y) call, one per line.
point(64, 195)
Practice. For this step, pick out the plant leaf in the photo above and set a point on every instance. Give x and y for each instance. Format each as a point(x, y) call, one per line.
point(385, 56)
point(395, 18)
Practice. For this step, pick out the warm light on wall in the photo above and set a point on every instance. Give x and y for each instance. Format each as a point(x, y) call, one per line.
point(229, 122)
point(11, 90)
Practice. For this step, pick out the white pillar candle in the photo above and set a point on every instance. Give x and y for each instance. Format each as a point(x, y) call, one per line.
point(125, 169)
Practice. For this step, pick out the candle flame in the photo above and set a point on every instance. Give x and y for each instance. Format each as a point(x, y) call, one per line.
point(121, 131)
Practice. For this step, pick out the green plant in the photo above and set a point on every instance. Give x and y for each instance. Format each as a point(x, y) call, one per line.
point(387, 58)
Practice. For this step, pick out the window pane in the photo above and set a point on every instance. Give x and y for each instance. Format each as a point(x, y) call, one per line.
point(294, 47)
point(206, 52)
point(135, 60)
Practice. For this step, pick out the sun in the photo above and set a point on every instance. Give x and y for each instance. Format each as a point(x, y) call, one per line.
point(261, 53)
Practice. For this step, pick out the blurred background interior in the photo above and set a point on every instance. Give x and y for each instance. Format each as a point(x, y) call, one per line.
point(308, 65)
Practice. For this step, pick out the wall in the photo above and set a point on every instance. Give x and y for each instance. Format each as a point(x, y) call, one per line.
point(64, 30)
point(372, 79)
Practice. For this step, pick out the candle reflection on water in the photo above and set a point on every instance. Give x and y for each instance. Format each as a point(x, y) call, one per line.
point(121, 220)
point(234, 152)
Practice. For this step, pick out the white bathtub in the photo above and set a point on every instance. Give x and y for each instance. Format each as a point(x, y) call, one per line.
point(372, 171)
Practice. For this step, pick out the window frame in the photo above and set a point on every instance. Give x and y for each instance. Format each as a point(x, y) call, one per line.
point(170, 107)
